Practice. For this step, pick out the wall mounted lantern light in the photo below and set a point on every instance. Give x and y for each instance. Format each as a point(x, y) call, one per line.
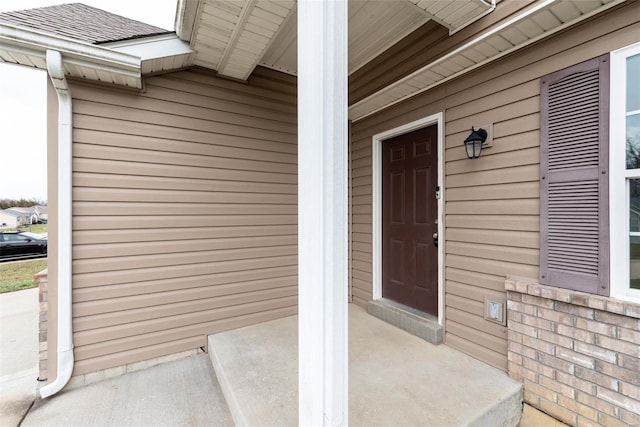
point(473, 143)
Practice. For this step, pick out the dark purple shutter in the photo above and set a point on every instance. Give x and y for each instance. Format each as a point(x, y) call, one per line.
point(574, 181)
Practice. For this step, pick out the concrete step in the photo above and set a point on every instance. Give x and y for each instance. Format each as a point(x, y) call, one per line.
point(394, 378)
point(417, 323)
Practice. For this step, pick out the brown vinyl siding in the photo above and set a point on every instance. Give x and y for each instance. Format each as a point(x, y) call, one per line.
point(491, 204)
point(402, 59)
point(184, 213)
point(361, 219)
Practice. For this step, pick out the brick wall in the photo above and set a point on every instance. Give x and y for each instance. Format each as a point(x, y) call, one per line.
point(578, 355)
point(42, 280)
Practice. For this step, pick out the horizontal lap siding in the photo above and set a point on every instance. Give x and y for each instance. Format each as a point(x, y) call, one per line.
point(185, 215)
point(491, 214)
point(361, 221)
point(492, 204)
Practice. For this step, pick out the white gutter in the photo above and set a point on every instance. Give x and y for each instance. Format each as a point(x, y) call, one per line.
point(35, 44)
point(65, 332)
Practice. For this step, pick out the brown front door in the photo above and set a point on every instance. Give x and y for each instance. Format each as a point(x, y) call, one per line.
point(409, 219)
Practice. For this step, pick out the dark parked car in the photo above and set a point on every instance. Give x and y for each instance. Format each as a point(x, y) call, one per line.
point(21, 245)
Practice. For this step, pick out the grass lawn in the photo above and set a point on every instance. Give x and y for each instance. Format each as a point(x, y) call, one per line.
point(15, 276)
point(35, 228)
point(38, 228)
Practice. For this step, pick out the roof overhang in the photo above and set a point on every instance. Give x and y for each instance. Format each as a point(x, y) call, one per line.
point(529, 26)
point(121, 63)
point(232, 37)
point(454, 15)
point(157, 53)
point(186, 13)
point(22, 46)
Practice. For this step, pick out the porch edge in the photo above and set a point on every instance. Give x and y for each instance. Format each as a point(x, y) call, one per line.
point(419, 324)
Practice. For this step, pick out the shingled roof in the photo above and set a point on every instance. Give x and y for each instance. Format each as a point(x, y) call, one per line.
point(81, 22)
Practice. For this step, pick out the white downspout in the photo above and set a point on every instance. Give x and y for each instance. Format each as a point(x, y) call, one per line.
point(65, 332)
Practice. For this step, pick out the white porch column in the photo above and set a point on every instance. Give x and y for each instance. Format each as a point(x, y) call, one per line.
point(322, 212)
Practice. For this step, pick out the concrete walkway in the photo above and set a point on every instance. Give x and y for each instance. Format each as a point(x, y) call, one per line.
point(18, 354)
point(180, 393)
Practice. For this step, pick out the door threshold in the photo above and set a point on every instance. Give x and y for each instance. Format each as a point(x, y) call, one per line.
point(415, 322)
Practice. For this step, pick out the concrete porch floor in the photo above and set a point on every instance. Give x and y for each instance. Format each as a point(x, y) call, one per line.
point(394, 378)
point(189, 393)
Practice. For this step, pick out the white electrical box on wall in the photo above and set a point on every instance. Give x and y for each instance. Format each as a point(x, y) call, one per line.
point(494, 311)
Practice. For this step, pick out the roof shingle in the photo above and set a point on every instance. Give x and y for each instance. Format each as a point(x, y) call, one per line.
point(81, 22)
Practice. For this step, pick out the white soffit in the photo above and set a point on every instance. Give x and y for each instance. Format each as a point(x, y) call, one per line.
point(538, 22)
point(453, 14)
point(84, 60)
point(374, 26)
point(282, 55)
point(231, 36)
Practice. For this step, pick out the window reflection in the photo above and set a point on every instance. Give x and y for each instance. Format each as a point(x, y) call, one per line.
point(632, 111)
point(633, 83)
point(633, 141)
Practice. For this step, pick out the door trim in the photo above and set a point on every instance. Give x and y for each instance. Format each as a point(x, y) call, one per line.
point(435, 119)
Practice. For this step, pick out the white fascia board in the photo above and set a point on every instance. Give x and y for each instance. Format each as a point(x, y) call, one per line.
point(185, 20)
point(36, 43)
point(490, 6)
point(154, 47)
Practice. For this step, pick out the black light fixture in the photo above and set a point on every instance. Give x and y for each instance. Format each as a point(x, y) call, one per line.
point(473, 143)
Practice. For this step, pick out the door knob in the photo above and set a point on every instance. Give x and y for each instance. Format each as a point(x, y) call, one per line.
point(435, 239)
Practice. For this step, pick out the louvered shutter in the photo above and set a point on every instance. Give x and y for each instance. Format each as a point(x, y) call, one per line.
point(574, 213)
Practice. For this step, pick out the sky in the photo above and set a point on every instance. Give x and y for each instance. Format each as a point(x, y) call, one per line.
point(23, 158)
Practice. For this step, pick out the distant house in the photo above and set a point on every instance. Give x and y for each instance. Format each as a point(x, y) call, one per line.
point(29, 212)
point(31, 215)
point(40, 214)
point(15, 217)
point(519, 256)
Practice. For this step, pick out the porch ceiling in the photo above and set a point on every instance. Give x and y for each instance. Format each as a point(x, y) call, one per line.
point(234, 36)
point(541, 20)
